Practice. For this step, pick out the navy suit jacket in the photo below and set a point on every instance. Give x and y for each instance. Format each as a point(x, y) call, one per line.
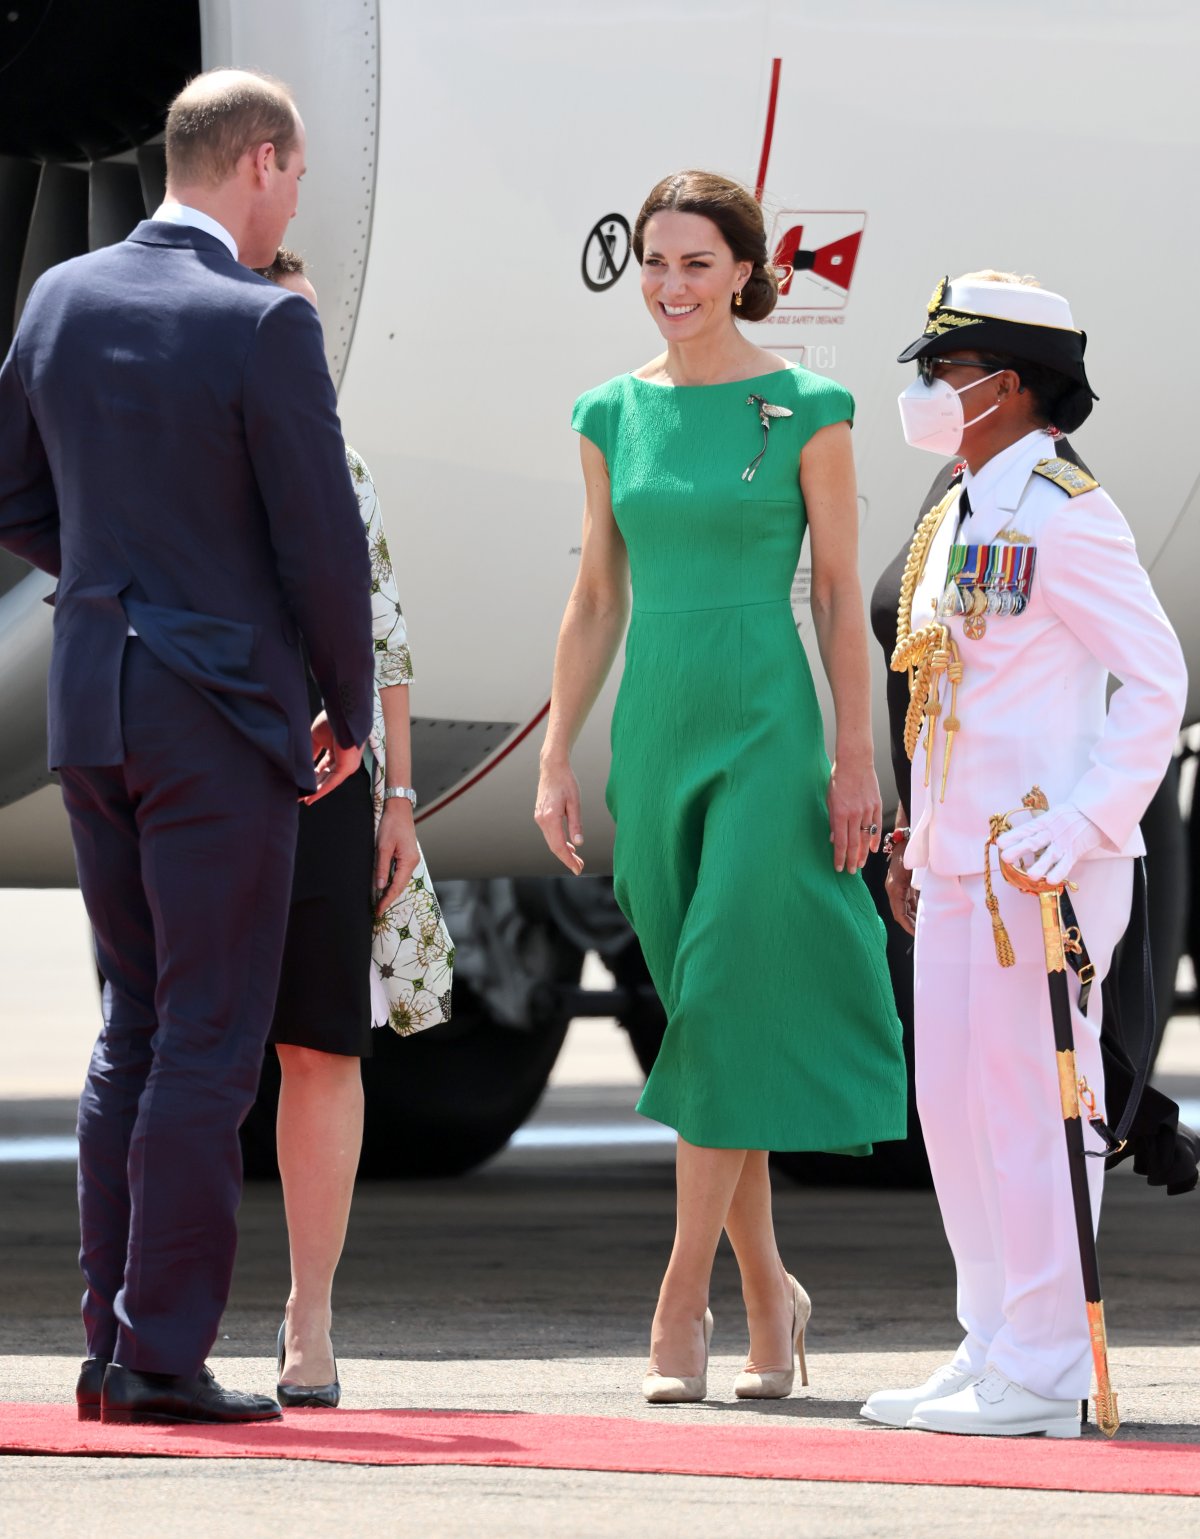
point(170, 451)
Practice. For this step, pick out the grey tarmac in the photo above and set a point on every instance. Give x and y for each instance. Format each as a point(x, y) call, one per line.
point(529, 1285)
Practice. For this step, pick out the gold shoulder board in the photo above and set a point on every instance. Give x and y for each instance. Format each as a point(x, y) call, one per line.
point(1072, 480)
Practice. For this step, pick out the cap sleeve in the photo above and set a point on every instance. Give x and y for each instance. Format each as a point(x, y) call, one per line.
point(589, 416)
point(828, 404)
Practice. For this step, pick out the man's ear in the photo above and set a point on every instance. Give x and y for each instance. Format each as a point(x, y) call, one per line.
point(263, 163)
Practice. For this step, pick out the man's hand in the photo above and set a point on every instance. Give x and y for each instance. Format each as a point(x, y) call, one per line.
point(1048, 847)
point(333, 762)
point(902, 895)
point(396, 852)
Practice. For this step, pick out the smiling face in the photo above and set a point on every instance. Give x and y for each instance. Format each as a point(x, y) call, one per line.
point(689, 275)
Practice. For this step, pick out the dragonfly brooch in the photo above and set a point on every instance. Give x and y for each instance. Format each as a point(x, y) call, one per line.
point(765, 412)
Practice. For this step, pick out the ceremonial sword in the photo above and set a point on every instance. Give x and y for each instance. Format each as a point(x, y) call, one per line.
point(1057, 941)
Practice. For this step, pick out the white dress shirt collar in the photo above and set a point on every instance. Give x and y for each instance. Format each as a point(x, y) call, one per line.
point(180, 213)
point(1019, 458)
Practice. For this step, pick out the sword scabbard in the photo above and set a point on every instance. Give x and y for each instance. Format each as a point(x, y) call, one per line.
point(1070, 1089)
point(1068, 1085)
point(1106, 1395)
point(1052, 936)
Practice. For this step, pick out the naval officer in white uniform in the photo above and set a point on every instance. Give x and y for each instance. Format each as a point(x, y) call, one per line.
point(1032, 572)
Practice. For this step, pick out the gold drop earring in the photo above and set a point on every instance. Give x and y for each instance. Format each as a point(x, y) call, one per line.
point(737, 298)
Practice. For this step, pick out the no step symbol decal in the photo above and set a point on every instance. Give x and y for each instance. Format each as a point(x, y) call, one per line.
point(606, 252)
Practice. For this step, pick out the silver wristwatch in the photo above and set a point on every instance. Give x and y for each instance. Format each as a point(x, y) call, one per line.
point(406, 792)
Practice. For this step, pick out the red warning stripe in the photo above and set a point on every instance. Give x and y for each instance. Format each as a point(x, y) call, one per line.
point(512, 743)
point(770, 130)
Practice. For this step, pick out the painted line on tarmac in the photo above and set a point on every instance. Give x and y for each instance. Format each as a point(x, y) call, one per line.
point(55, 1150)
point(589, 1135)
point(42, 1150)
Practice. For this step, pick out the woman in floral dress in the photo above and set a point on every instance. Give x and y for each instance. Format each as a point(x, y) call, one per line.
point(412, 957)
point(366, 946)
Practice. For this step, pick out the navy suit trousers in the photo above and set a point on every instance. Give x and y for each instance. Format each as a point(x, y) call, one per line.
point(185, 853)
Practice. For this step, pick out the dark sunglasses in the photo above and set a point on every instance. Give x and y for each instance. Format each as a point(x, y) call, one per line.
point(926, 366)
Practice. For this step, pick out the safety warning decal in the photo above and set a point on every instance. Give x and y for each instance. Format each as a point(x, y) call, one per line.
point(818, 251)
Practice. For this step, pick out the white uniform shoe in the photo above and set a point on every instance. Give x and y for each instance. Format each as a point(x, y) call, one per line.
point(993, 1406)
point(894, 1407)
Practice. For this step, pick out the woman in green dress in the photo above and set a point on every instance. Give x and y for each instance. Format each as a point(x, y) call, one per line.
point(738, 846)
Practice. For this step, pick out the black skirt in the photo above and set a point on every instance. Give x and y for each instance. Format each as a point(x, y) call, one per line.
point(324, 999)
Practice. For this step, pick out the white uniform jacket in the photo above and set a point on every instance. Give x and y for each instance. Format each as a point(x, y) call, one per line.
point(1033, 701)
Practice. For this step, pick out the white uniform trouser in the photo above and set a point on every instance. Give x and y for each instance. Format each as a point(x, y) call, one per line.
point(988, 1095)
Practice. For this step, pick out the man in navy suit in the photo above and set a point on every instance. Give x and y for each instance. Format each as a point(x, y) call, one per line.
point(170, 451)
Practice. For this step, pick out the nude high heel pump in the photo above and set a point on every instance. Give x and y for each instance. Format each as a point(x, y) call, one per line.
point(777, 1383)
point(663, 1389)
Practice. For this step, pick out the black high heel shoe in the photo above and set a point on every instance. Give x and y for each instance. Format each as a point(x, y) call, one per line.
point(300, 1396)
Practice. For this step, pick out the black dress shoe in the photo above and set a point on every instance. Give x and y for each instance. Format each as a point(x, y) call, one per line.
point(87, 1387)
point(129, 1396)
point(298, 1397)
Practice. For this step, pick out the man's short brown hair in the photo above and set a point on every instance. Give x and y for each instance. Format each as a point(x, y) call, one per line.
point(220, 115)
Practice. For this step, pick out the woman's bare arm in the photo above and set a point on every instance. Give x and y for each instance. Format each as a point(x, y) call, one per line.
point(396, 851)
point(591, 632)
point(827, 481)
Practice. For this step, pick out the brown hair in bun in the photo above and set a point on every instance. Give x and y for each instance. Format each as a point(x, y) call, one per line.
point(736, 213)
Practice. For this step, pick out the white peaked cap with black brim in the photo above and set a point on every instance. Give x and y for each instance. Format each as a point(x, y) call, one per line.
point(1015, 319)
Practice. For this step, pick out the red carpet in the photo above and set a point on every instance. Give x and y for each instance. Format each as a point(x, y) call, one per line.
point(775, 1450)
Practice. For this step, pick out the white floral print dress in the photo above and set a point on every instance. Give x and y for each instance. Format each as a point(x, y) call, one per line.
point(412, 959)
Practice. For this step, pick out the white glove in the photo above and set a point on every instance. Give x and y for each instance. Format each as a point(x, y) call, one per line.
point(1049, 846)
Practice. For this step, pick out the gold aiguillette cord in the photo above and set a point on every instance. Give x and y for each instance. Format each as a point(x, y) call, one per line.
point(927, 653)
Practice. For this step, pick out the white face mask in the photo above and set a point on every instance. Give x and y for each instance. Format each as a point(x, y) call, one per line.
point(932, 415)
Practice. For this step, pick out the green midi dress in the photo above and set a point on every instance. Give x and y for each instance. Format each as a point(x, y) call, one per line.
point(781, 1026)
